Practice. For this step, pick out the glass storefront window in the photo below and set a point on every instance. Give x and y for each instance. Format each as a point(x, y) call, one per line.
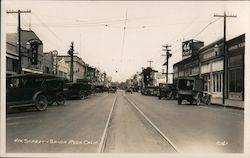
point(235, 60)
point(236, 80)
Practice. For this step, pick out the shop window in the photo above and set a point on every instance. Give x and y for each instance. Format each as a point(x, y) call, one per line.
point(235, 80)
point(217, 82)
point(235, 60)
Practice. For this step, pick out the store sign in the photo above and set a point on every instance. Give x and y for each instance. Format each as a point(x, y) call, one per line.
point(34, 44)
point(237, 46)
point(211, 53)
point(187, 48)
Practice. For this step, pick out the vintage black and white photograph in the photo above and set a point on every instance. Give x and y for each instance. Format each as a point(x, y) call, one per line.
point(124, 77)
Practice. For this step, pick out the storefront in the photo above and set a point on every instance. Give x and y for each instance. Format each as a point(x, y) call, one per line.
point(211, 65)
point(31, 48)
point(236, 52)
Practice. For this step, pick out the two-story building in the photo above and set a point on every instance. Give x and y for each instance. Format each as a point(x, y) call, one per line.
point(30, 44)
point(208, 63)
point(78, 65)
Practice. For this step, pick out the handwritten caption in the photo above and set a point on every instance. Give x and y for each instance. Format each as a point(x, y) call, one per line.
point(54, 141)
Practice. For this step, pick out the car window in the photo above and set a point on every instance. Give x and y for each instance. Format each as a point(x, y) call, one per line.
point(54, 84)
point(31, 82)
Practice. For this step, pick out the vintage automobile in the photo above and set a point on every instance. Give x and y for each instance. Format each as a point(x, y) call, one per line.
point(191, 89)
point(99, 88)
point(128, 90)
point(89, 86)
point(167, 91)
point(76, 90)
point(112, 88)
point(39, 90)
point(149, 90)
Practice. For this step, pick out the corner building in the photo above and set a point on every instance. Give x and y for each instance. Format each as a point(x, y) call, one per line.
point(209, 64)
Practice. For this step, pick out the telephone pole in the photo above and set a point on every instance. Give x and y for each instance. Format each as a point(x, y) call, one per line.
point(19, 36)
point(168, 55)
point(225, 80)
point(71, 53)
point(150, 61)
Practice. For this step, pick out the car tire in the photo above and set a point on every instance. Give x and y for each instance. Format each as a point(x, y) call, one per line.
point(41, 102)
point(198, 101)
point(60, 99)
point(81, 95)
point(179, 101)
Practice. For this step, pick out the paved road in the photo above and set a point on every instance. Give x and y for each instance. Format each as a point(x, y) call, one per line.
point(74, 127)
point(79, 127)
point(196, 128)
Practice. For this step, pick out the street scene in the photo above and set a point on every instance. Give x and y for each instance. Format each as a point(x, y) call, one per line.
point(125, 77)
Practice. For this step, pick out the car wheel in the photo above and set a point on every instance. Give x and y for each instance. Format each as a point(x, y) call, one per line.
point(179, 101)
point(198, 101)
point(81, 95)
point(41, 102)
point(60, 99)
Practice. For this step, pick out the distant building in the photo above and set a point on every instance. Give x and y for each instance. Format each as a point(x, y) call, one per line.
point(78, 64)
point(28, 37)
point(63, 69)
point(48, 63)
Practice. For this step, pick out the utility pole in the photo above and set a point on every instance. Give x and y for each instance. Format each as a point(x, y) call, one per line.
point(71, 53)
point(19, 36)
point(168, 55)
point(150, 61)
point(225, 80)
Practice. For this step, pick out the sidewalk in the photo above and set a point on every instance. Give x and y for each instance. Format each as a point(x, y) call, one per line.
point(228, 103)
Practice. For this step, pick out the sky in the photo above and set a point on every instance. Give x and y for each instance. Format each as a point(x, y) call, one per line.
point(120, 37)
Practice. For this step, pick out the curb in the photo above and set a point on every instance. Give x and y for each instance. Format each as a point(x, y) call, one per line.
point(227, 106)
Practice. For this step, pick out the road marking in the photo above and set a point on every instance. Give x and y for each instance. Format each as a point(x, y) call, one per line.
point(156, 128)
point(104, 135)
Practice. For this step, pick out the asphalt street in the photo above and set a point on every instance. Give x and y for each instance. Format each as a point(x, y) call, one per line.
point(137, 124)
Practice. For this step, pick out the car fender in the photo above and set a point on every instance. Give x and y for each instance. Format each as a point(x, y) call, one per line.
point(38, 93)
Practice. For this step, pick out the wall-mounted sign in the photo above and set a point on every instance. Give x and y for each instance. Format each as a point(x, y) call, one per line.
point(33, 45)
point(191, 47)
point(187, 48)
point(237, 46)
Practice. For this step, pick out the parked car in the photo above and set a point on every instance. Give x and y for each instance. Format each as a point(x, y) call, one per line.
point(38, 90)
point(89, 86)
point(191, 89)
point(150, 90)
point(167, 91)
point(99, 88)
point(76, 90)
point(128, 89)
point(112, 89)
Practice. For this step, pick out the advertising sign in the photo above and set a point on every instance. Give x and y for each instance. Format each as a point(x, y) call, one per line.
point(186, 49)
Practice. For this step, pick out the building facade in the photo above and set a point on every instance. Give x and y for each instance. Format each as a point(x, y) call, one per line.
point(78, 65)
point(30, 45)
point(209, 64)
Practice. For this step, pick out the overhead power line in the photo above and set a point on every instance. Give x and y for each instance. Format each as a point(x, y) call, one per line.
point(50, 30)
